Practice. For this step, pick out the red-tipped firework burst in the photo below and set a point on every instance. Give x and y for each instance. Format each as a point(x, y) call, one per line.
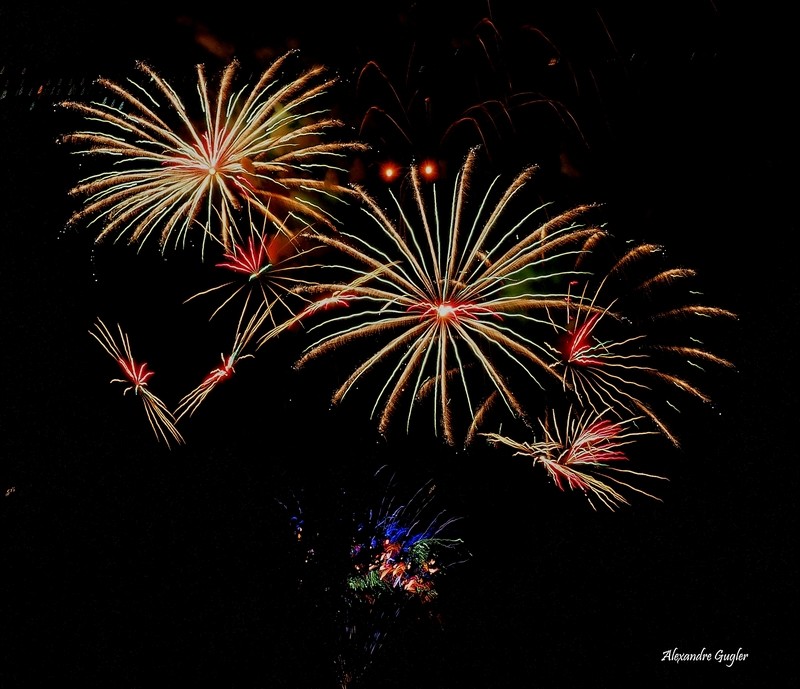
point(598, 371)
point(136, 378)
point(261, 147)
point(267, 270)
point(584, 452)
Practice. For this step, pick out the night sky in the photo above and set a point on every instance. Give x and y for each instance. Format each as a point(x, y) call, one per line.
point(128, 564)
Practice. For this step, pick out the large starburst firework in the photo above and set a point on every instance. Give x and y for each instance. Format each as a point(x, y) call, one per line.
point(447, 296)
point(267, 146)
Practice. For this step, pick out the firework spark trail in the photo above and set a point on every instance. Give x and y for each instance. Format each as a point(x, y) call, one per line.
point(190, 402)
point(430, 110)
point(136, 377)
point(451, 295)
point(263, 148)
point(583, 453)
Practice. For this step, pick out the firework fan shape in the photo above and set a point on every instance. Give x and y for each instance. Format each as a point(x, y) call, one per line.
point(449, 300)
point(584, 452)
point(267, 146)
point(136, 378)
point(620, 354)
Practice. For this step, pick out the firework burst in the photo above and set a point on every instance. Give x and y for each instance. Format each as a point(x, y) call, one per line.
point(385, 554)
point(267, 146)
point(450, 297)
point(584, 452)
point(136, 378)
point(267, 271)
point(396, 548)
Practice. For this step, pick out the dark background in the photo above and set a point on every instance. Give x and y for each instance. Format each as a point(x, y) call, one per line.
point(126, 564)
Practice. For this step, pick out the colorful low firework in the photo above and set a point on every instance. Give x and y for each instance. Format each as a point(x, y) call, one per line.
point(399, 555)
point(447, 292)
point(396, 553)
point(381, 560)
point(136, 379)
point(268, 146)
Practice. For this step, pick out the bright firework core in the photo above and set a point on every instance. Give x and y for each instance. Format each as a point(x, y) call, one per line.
point(449, 312)
point(446, 311)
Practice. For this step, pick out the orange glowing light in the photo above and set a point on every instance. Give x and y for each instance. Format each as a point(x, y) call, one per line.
point(389, 171)
point(429, 170)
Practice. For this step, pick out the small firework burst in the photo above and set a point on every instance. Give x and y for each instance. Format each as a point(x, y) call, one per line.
point(267, 146)
point(381, 557)
point(267, 269)
point(136, 378)
point(450, 298)
point(585, 452)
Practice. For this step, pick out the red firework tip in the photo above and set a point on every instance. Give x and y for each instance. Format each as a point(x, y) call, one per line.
point(220, 374)
point(598, 443)
point(577, 344)
point(251, 260)
point(137, 374)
